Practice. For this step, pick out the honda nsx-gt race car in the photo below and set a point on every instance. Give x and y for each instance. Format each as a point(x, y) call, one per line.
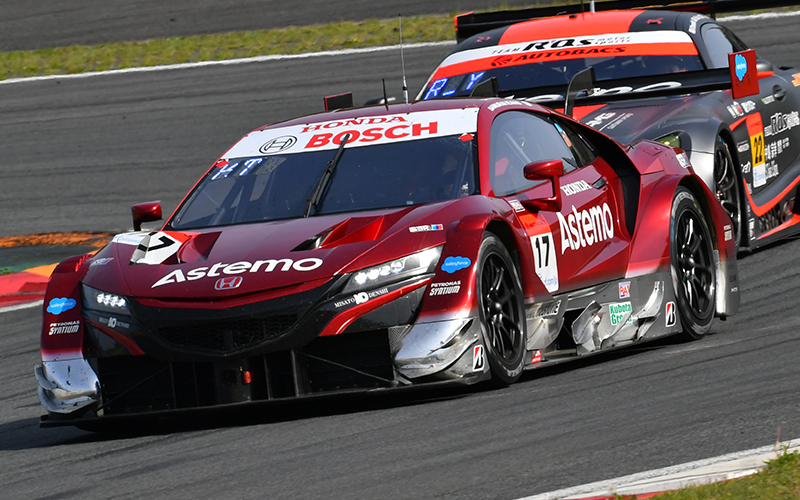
point(657, 74)
point(411, 245)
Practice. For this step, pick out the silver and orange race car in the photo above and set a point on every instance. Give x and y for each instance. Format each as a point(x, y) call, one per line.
point(412, 245)
point(655, 74)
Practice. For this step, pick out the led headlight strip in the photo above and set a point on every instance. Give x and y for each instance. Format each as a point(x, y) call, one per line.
point(397, 270)
point(99, 300)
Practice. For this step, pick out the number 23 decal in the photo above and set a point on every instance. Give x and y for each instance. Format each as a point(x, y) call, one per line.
point(544, 255)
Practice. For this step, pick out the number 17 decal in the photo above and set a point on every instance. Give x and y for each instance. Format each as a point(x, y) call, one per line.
point(544, 255)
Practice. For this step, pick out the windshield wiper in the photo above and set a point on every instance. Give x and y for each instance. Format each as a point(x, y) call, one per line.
point(316, 195)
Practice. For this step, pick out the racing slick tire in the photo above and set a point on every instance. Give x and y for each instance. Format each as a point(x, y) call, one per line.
point(692, 265)
point(727, 187)
point(501, 311)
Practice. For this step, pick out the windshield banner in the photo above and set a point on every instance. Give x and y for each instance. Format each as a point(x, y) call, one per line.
point(646, 43)
point(362, 131)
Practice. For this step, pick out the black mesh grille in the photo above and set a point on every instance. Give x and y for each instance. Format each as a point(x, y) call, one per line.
point(142, 384)
point(226, 336)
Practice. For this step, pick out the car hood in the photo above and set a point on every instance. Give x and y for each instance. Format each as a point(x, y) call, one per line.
point(628, 121)
point(251, 258)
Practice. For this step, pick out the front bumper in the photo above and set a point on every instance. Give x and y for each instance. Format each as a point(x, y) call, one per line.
point(67, 386)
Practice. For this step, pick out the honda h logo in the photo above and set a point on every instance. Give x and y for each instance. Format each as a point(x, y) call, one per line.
point(228, 283)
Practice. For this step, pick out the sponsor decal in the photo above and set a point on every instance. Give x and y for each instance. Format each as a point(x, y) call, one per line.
point(101, 262)
point(693, 23)
point(740, 68)
point(735, 110)
point(746, 168)
point(422, 229)
point(361, 297)
point(796, 80)
point(671, 314)
point(585, 228)
point(743, 146)
point(453, 264)
point(478, 361)
point(278, 144)
point(129, 238)
point(60, 305)
point(516, 205)
point(544, 257)
point(217, 269)
point(728, 232)
point(155, 248)
point(755, 130)
point(545, 309)
point(683, 160)
point(575, 187)
point(374, 134)
point(775, 148)
point(228, 283)
point(65, 327)
point(501, 104)
point(752, 224)
point(738, 110)
point(624, 89)
point(625, 290)
point(363, 131)
point(618, 311)
point(782, 122)
point(599, 119)
point(446, 288)
point(536, 357)
point(768, 100)
point(113, 322)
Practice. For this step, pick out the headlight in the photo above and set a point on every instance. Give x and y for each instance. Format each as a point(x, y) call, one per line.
point(397, 270)
point(102, 301)
point(672, 140)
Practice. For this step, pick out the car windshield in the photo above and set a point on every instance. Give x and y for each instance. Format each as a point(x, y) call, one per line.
point(545, 63)
point(559, 73)
point(274, 187)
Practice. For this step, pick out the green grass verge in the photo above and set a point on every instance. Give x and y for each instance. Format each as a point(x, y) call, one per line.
point(780, 480)
point(291, 40)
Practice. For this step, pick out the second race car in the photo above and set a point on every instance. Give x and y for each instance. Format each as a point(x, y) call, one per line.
point(660, 75)
point(440, 242)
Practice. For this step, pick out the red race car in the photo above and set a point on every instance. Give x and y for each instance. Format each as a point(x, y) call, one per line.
point(440, 242)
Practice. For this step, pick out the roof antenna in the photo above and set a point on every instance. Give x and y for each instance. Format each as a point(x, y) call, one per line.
point(403, 61)
point(385, 99)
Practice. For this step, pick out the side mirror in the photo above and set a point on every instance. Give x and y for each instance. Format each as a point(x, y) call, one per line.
point(764, 69)
point(145, 212)
point(547, 170)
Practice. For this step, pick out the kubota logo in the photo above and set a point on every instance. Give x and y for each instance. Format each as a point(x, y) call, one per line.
point(267, 266)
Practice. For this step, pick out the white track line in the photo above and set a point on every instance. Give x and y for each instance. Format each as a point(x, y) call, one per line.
point(29, 305)
point(675, 476)
point(228, 62)
point(765, 15)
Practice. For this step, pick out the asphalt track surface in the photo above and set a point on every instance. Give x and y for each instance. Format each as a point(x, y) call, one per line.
point(26, 25)
point(77, 153)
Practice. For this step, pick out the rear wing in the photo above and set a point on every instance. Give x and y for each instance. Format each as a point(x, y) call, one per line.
point(584, 91)
point(741, 77)
point(471, 23)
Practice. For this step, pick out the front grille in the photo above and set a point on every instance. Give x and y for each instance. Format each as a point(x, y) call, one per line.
point(141, 384)
point(222, 337)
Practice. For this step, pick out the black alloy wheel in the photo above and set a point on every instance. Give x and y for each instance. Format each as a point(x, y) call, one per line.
point(726, 184)
point(692, 265)
point(501, 311)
